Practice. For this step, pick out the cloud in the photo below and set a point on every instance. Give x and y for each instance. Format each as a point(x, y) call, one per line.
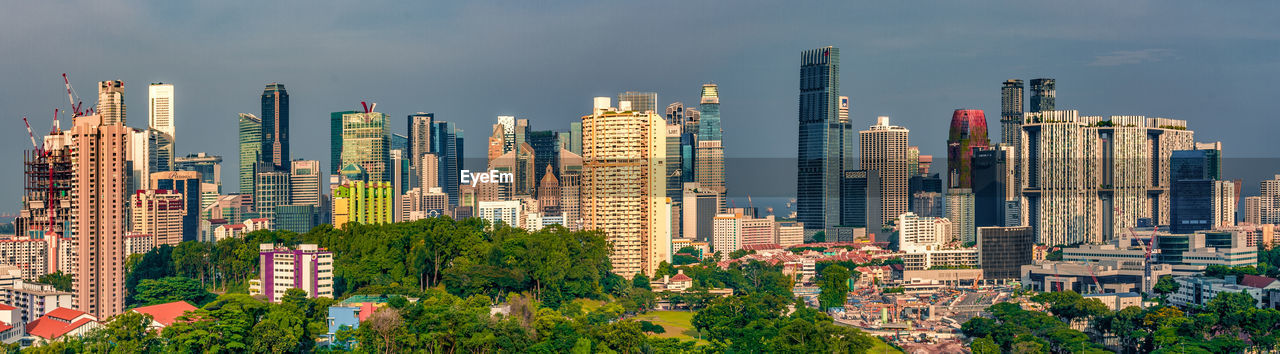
point(1127, 57)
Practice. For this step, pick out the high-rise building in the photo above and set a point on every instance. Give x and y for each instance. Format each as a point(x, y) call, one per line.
point(822, 157)
point(250, 153)
point(1011, 108)
point(726, 234)
point(308, 267)
point(98, 201)
point(1091, 178)
point(446, 144)
point(366, 142)
point(1194, 192)
point(994, 186)
point(1003, 251)
point(709, 170)
point(929, 204)
point(209, 167)
point(917, 233)
point(335, 141)
point(188, 185)
point(160, 109)
point(1043, 95)
point(968, 131)
point(365, 203)
point(271, 189)
point(304, 181)
point(640, 101)
point(111, 102)
point(275, 126)
point(858, 192)
point(884, 150)
point(698, 211)
point(159, 213)
point(623, 187)
point(549, 194)
point(960, 210)
point(298, 218)
point(546, 153)
point(419, 145)
point(144, 156)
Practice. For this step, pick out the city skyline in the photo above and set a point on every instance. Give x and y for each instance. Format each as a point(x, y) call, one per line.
point(1098, 72)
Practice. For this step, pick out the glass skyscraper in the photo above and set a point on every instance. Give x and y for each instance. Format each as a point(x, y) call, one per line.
point(275, 126)
point(446, 143)
point(335, 140)
point(1043, 95)
point(250, 152)
point(822, 153)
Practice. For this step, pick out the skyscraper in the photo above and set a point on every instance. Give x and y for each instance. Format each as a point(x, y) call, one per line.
point(366, 143)
point(993, 185)
point(884, 150)
point(446, 144)
point(1195, 192)
point(1043, 95)
point(159, 213)
point(1011, 111)
point(188, 185)
point(250, 153)
point(960, 211)
point(98, 200)
point(640, 101)
point(111, 102)
point(857, 188)
point(821, 156)
point(160, 110)
point(304, 181)
point(709, 172)
point(271, 189)
point(968, 131)
point(335, 141)
point(209, 167)
point(419, 146)
point(623, 192)
point(275, 126)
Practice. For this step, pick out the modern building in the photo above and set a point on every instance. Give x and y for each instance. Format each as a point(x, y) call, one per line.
point(709, 161)
point(188, 185)
point(98, 201)
point(929, 204)
point(1089, 277)
point(304, 183)
point(822, 154)
point(1043, 95)
point(1002, 251)
point(447, 145)
point(307, 267)
point(136, 243)
point(365, 203)
point(884, 150)
point(968, 132)
point(275, 126)
point(1091, 178)
point(960, 209)
point(509, 212)
point(1199, 291)
point(34, 256)
point(366, 143)
point(726, 235)
point(858, 192)
point(34, 300)
point(419, 147)
point(160, 115)
point(1011, 108)
point(640, 101)
point(918, 234)
point(698, 212)
point(298, 218)
point(208, 166)
point(271, 189)
point(159, 213)
point(790, 234)
point(250, 153)
point(111, 102)
point(623, 186)
point(995, 190)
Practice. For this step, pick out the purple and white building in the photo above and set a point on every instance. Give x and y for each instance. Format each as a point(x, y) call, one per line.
point(307, 267)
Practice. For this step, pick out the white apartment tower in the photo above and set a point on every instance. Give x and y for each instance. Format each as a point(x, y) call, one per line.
point(884, 149)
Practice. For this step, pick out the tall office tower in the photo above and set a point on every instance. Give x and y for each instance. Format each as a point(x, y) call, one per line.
point(929, 204)
point(209, 167)
point(968, 131)
point(960, 212)
point(1011, 111)
point(1089, 178)
point(335, 140)
point(640, 101)
point(143, 157)
point(677, 114)
point(623, 189)
point(571, 200)
point(519, 163)
point(546, 153)
point(700, 207)
point(98, 201)
point(993, 186)
point(1224, 204)
point(575, 142)
point(271, 189)
point(1194, 191)
point(884, 150)
point(1043, 95)
point(508, 124)
point(928, 183)
point(187, 184)
point(913, 161)
point(366, 143)
point(159, 213)
point(399, 183)
point(496, 143)
point(111, 102)
point(549, 193)
point(1004, 250)
point(710, 154)
point(275, 126)
point(365, 203)
point(674, 179)
point(160, 109)
point(857, 192)
point(304, 181)
point(821, 157)
point(429, 165)
point(447, 141)
point(419, 145)
point(250, 153)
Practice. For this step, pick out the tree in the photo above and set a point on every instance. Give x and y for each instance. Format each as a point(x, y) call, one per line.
point(385, 322)
point(835, 287)
point(128, 332)
point(652, 328)
point(984, 345)
point(58, 280)
point(739, 253)
point(1165, 285)
point(281, 331)
point(170, 289)
point(640, 281)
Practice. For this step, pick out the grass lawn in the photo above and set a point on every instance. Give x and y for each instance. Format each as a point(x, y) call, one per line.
point(676, 323)
point(881, 347)
point(588, 304)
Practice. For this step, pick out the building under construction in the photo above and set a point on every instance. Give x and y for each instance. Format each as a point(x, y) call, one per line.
point(46, 206)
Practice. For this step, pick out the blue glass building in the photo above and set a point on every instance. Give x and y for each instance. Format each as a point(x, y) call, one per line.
point(823, 152)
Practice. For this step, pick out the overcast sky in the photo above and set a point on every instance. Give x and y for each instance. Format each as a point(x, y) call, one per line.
point(1213, 64)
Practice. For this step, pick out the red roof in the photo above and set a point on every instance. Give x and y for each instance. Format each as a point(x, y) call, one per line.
point(166, 313)
point(49, 328)
point(4, 327)
point(1254, 281)
point(681, 277)
point(64, 314)
point(4, 307)
point(260, 220)
point(233, 226)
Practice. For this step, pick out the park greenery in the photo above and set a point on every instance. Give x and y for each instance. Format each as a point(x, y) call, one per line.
point(443, 280)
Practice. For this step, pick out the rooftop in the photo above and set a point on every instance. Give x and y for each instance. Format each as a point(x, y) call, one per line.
point(165, 314)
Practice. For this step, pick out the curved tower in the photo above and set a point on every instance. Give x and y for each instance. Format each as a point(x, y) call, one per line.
point(968, 131)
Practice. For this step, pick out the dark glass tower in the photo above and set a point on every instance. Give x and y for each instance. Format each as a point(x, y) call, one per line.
point(546, 153)
point(822, 156)
point(446, 143)
point(1043, 95)
point(275, 126)
point(1010, 111)
point(1193, 175)
point(968, 131)
point(335, 141)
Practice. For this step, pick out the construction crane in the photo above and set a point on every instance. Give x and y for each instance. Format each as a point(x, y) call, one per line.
point(1095, 279)
point(1149, 247)
point(72, 100)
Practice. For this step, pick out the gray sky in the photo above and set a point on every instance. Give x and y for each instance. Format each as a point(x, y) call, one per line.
point(1213, 64)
